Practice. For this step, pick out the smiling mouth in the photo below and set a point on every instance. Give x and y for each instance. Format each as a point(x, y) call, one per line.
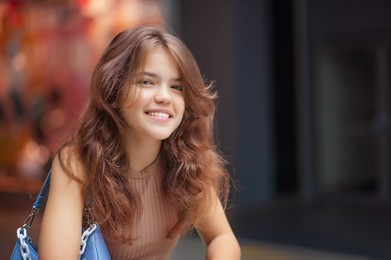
point(159, 114)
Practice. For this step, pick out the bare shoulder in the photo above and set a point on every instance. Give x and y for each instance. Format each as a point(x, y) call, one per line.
point(67, 161)
point(64, 205)
point(67, 173)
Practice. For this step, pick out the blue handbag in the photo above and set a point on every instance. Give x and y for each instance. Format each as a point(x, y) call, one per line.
point(92, 243)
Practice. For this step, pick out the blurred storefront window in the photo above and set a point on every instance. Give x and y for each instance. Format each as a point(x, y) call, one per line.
point(48, 50)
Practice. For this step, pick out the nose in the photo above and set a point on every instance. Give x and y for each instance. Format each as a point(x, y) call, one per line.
point(162, 95)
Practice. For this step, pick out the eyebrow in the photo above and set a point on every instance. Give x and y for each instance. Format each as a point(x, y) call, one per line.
point(153, 75)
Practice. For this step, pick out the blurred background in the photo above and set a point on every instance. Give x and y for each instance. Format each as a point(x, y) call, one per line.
point(303, 115)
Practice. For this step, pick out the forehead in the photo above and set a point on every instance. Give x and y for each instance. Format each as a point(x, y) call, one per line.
point(157, 55)
point(158, 60)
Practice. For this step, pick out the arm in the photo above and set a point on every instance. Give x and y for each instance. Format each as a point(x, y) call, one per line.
point(217, 234)
point(61, 224)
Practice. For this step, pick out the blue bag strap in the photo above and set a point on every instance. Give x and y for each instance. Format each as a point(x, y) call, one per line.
point(43, 194)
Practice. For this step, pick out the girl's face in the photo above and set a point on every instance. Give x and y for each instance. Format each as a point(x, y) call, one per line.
point(154, 105)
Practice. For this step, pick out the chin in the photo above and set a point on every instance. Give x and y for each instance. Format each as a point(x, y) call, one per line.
point(161, 136)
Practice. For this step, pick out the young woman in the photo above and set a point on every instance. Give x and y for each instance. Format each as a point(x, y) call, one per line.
point(143, 155)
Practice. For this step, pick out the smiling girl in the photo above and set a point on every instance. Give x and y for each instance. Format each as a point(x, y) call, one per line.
point(143, 153)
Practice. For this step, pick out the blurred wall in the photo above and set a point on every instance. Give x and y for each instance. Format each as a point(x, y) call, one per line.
point(231, 40)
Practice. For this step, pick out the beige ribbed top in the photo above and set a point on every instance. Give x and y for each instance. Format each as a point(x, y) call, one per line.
point(158, 216)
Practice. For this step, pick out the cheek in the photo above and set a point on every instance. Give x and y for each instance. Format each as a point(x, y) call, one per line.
point(181, 107)
point(131, 98)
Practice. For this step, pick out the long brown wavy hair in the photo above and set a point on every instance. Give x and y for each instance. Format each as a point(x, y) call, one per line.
point(190, 161)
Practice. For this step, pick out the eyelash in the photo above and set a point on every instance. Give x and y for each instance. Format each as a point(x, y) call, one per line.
point(146, 82)
point(176, 87)
point(149, 82)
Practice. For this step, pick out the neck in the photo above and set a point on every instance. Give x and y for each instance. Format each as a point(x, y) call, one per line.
point(143, 153)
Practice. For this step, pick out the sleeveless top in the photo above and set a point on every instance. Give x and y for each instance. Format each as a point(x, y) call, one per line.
point(157, 218)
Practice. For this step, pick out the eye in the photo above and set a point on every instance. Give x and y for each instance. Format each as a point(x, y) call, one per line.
point(177, 87)
point(145, 82)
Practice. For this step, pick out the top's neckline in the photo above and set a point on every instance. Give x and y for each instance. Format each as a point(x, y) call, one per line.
point(146, 172)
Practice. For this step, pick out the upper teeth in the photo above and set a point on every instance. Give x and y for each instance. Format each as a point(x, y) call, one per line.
point(159, 114)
